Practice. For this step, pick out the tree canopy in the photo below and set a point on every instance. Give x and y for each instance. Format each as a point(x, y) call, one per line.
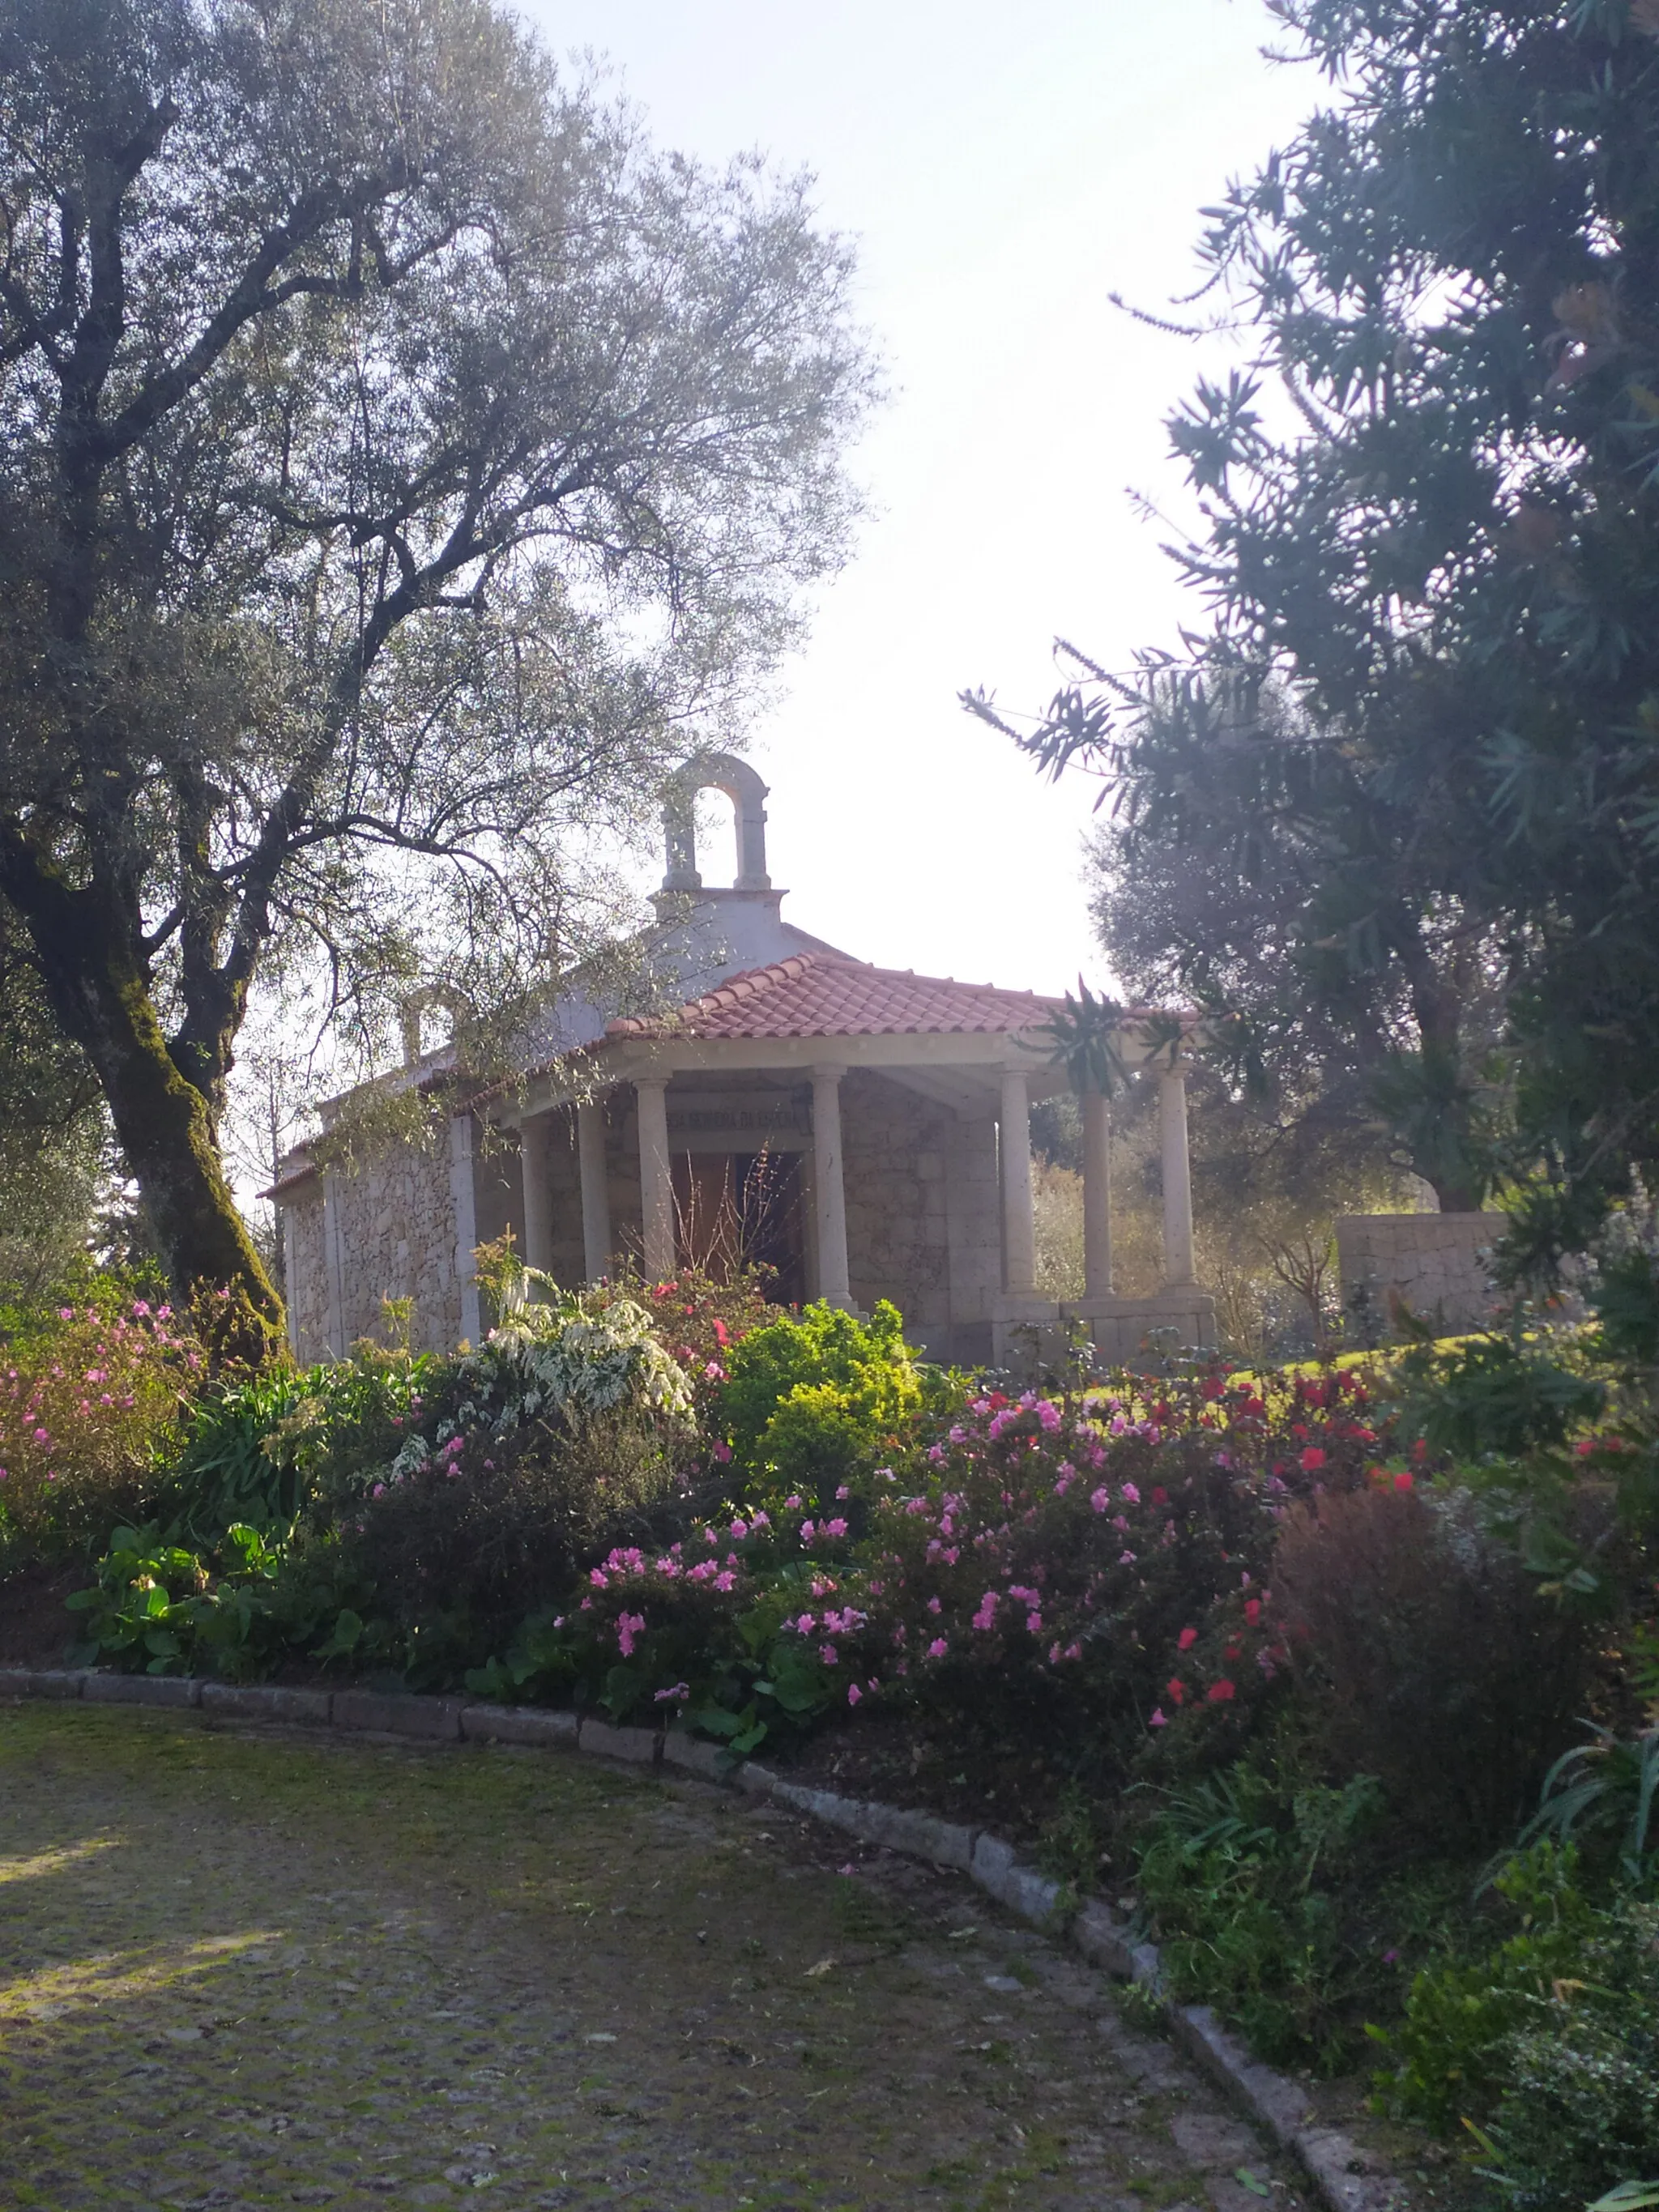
point(401, 466)
point(1426, 697)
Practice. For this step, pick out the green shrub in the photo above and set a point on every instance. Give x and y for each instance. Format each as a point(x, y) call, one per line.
point(811, 1403)
point(558, 1437)
point(1579, 2111)
point(235, 1611)
point(1240, 1872)
point(1496, 1396)
point(1451, 2060)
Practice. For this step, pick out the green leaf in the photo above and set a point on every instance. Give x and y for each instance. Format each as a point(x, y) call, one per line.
point(1252, 2181)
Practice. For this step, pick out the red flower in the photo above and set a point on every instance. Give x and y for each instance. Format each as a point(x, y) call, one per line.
point(1160, 1497)
point(1252, 1610)
point(1177, 1691)
point(1219, 1692)
point(1186, 1640)
point(1312, 1460)
point(1403, 1481)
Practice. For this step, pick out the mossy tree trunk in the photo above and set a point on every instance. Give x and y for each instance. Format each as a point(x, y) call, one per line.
point(102, 996)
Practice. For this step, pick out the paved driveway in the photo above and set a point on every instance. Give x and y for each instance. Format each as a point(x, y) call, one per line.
point(248, 1969)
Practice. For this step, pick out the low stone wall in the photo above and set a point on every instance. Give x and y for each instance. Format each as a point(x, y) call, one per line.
point(1435, 1265)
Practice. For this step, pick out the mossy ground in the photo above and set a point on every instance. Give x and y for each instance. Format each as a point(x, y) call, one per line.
point(246, 1969)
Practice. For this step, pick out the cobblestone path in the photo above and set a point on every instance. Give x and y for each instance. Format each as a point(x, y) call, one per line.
point(242, 1969)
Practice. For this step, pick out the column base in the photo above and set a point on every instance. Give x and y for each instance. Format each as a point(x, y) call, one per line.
point(1025, 1332)
point(1120, 1328)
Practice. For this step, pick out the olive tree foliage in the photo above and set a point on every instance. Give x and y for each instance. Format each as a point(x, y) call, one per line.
point(1250, 867)
point(1429, 529)
point(401, 467)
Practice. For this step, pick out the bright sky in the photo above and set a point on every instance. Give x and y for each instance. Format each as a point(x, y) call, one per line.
point(1004, 168)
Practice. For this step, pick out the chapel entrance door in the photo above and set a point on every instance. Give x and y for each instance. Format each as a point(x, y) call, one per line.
point(744, 1209)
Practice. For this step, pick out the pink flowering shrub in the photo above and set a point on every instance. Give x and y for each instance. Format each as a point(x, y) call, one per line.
point(1024, 1571)
point(90, 1414)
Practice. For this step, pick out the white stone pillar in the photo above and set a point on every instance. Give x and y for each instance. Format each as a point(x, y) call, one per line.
point(656, 1177)
point(1177, 1179)
point(533, 1133)
point(1018, 1223)
point(596, 1197)
point(830, 1190)
point(1097, 1196)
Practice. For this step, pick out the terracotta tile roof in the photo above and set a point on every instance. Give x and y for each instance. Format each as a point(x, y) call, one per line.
point(814, 995)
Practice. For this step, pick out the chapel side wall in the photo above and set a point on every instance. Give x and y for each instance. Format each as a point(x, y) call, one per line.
point(1435, 1264)
point(305, 1254)
point(396, 1240)
point(898, 1245)
point(974, 1206)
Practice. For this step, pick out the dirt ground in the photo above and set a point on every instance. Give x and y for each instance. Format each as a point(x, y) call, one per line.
point(247, 1968)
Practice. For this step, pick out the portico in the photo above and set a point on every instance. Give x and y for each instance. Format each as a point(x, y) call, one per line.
point(863, 1132)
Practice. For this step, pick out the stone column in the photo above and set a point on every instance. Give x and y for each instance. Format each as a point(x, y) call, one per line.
point(1097, 1196)
point(1177, 1179)
point(835, 1280)
point(596, 1199)
point(533, 1133)
point(1018, 1225)
point(656, 1177)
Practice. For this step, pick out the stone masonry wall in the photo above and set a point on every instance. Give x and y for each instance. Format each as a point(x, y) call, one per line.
point(306, 1263)
point(893, 1167)
point(1434, 1263)
point(396, 1232)
point(975, 1203)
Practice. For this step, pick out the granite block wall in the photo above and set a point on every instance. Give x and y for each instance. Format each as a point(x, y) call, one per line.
point(397, 1238)
point(305, 1260)
point(1435, 1264)
point(898, 1238)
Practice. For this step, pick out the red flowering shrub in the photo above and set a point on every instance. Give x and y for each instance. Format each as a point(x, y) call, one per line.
point(89, 1409)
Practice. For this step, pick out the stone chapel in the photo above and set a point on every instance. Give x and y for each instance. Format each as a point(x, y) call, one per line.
point(863, 1132)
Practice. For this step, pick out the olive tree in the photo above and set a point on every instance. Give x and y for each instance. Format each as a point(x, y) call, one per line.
point(401, 466)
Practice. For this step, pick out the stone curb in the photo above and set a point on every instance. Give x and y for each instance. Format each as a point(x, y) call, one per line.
point(1346, 2178)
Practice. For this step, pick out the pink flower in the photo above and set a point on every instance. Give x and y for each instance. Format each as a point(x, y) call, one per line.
point(938, 1647)
point(739, 1529)
point(628, 1626)
point(829, 1654)
point(836, 1527)
point(853, 1694)
point(1100, 1499)
point(806, 1532)
point(932, 1605)
point(843, 1492)
point(1034, 1624)
point(987, 1609)
point(1131, 1495)
point(681, 1691)
point(719, 1452)
point(1158, 1719)
point(791, 1504)
point(806, 1624)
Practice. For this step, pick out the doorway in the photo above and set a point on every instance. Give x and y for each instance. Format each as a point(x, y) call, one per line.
point(744, 1209)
